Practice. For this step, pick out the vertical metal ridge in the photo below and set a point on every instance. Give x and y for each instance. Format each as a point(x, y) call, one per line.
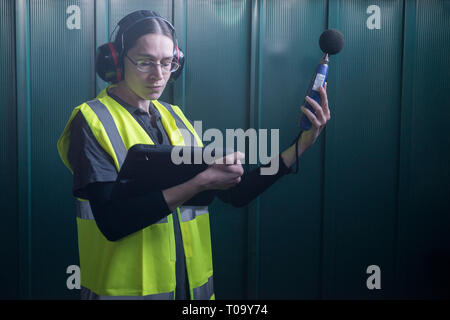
point(424, 163)
point(331, 22)
point(228, 17)
point(320, 280)
point(179, 20)
point(377, 130)
point(102, 35)
point(60, 78)
point(217, 92)
point(290, 30)
point(28, 151)
point(406, 117)
point(23, 145)
point(8, 154)
point(328, 253)
point(254, 209)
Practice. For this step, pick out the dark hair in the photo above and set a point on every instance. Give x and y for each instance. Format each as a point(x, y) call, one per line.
point(153, 25)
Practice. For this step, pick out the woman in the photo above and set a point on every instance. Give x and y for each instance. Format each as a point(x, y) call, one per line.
point(153, 244)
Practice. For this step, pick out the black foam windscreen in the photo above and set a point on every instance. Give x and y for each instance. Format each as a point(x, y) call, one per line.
point(331, 41)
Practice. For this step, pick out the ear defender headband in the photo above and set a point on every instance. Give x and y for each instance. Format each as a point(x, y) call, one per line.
point(109, 57)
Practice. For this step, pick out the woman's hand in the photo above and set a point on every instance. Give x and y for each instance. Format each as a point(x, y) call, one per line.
point(318, 120)
point(225, 173)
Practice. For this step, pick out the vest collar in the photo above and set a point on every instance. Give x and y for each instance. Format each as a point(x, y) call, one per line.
point(131, 109)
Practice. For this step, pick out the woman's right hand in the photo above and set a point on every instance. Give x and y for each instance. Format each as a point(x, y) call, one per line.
point(223, 174)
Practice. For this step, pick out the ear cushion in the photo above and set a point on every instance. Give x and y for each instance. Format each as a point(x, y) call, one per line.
point(107, 62)
point(178, 56)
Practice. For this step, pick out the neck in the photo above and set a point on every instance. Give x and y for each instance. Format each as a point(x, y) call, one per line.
point(127, 95)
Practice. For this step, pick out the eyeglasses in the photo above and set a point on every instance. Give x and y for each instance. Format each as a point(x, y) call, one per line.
point(149, 65)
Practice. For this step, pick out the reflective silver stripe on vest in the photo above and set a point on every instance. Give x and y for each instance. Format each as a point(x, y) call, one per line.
point(190, 212)
point(87, 294)
point(205, 291)
point(163, 220)
point(107, 120)
point(84, 211)
point(188, 137)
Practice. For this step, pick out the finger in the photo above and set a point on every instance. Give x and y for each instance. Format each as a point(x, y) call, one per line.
point(318, 110)
point(230, 185)
point(234, 157)
point(324, 101)
point(240, 155)
point(228, 159)
point(326, 84)
point(231, 158)
point(312, 118)
point(235, 169)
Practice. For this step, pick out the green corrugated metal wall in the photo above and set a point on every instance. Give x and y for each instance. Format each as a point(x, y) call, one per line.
point(373, 190)
point(8, 155)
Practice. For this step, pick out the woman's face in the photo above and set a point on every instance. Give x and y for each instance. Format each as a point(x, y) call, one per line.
point(157, 48)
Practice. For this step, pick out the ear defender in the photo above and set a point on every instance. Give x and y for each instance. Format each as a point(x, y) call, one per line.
point(178, 57)
point(108, 59)
point(107, 63)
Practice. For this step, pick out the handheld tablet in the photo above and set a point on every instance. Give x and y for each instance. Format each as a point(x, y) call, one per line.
point(158, 167)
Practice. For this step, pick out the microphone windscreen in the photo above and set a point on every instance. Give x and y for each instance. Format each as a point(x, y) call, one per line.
point(331, 41)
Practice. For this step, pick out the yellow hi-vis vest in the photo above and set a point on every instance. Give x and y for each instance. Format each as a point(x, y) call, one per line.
point(143, 263)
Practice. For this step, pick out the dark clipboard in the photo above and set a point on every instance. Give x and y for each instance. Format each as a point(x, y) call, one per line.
point(150, 167)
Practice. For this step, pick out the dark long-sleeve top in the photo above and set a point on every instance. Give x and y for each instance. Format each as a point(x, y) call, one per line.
point(117, 215)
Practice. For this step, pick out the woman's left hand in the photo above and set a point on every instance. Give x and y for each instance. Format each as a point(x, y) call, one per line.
point(318, 120)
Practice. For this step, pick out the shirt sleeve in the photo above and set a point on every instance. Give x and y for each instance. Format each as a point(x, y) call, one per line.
point(252, 184)
point(89, 161)
point(119, 213)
